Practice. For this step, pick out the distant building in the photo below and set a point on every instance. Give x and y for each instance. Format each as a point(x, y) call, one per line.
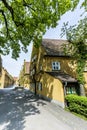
point(16, 81)
point(24, 75)
point(6, 80)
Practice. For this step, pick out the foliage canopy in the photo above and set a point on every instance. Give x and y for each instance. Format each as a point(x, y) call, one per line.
point(23, 21)
point(77, 48)
point(77, 104)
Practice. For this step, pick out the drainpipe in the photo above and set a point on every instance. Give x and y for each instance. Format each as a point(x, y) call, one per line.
point(65, 84)
point(35, 80)
point(82, 90)
point(35, 88)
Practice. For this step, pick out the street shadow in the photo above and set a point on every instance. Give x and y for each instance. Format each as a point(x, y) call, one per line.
point(15, 107)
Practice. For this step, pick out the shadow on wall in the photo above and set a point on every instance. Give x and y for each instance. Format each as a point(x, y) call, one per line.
point(48, 87)
point(86, 91)
point(66, 67)
point(14, 109)
point(69, 67)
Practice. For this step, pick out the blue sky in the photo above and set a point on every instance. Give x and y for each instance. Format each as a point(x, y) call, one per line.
point(14, 67)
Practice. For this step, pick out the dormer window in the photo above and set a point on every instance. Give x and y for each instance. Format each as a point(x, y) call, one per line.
point(55, 65)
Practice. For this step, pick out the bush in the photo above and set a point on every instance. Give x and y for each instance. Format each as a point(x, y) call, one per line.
point(77, 104)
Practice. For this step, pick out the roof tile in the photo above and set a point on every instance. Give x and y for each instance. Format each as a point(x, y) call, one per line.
point(62, 76)
point(54, 47)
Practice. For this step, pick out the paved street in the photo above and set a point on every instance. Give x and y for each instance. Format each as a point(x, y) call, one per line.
point(20, 110)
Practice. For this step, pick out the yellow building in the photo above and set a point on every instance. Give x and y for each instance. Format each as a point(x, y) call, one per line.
point(6, 80)
point(0, 65)
point(52, 74)
point(24, 75)
point(85, 75)
point(16, 81)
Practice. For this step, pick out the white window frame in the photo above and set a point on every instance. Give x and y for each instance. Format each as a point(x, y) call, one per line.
point(55, 65)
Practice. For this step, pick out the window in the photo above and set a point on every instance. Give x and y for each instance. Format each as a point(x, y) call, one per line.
point(70, 90)
point(55, 65)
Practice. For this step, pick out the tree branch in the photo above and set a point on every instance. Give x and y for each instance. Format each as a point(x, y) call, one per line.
point(12, 13)
point(6, 24)
point(28, 5)
point(9, 8)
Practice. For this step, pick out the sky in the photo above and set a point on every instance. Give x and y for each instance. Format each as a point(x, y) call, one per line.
point(14, 67)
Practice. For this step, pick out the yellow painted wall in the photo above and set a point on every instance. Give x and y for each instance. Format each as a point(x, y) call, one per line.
point(16, 81)
point(85, 75)
point(46, 62)
point(48, 81)
point(39, 53)
point(5, 79)
point(26, 81)
point(65, 65)
point(51, 88)
point(2, 79)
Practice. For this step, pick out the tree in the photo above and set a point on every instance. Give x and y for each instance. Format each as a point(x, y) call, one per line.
point(77, 48)
point(0, 65)
point(25, 21)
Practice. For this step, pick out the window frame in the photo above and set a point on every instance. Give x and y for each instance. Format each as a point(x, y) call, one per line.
point(55, 65)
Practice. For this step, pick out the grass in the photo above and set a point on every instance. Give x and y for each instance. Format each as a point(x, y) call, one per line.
point(81, 116)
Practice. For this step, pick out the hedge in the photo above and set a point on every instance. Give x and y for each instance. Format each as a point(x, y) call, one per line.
point(77, 104)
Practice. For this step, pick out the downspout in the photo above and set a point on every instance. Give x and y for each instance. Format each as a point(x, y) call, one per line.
point(35, 80)
point(65, 84)
point(82, 90)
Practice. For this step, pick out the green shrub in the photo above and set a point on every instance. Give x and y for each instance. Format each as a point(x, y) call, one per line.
point(77, 104)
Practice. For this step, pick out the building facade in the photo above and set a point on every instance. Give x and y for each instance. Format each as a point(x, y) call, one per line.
point(52, 74)
point(6, 80)
point(0, 65)
point(24, 75)
point(16, 81)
